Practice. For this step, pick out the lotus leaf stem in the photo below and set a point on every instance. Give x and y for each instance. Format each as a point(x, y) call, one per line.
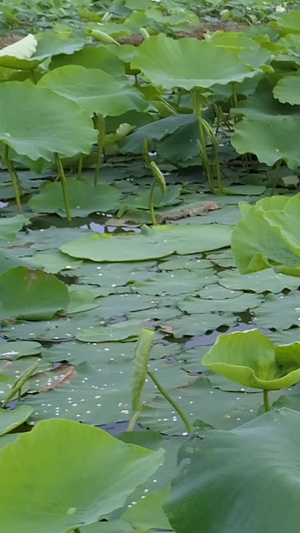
point(63, 180)
point(99, 162)
point(99, 123)
point(266, 401)
point(153, 218)
point(80, 163)
point(133, 421)
point(234, 96)
point(13, 178)
point(76, 530)
point(171, 401)
point(276, 175)
point(33, 76)
point(203, 152)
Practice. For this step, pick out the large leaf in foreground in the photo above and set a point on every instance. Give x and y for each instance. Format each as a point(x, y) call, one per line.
point(251, 359)
point(48, 122)
point(94, 90)
point(31, 294)
point(63, 475)
point(267, 235)
point(187, 63)
point(243, 480)
point(159, 241)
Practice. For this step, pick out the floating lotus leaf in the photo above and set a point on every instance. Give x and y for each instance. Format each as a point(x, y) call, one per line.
point(48, 122)
point(152, 243)
point(83, 198)
point(91, 476)
point(10, 226)
point(12, 418)
point(251, 359)
point(246, 479)
point(187, 63)
point(31, 294)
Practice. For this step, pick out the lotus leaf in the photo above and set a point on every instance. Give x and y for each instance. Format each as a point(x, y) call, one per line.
point(22, 49)
point(187, 63)
point(48, 122)
point(261, 281)
point(10, 226)
point(287, 90)
point(251, 359)
point(270, 140)
point(160, 241)
point(200, 401)
point(267, 235)
point(94, 90)
point(15, 350)
point(253, 474)
point(91, 476)
point(83, 199)
point(92, 57)
point(12, 418)
point(31, 294)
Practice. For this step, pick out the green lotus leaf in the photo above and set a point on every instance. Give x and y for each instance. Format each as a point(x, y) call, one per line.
point(92, 57)
point(10, 226)
point(48, 122)
point(270, 140)
point(290, 44)
point(252, 472)
point(287, 90)
point(27, 53)
point(91, 476)
point(248, 50)
point(267, 235)
point(16, 349)
point(251, 359)
point(94, 90)
point(12, 418)
point(262, 104)
point(187, 63)
point(83, 198)
point(152, 243)
point(50, 44)
point(290, 21)
point(31, 294)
